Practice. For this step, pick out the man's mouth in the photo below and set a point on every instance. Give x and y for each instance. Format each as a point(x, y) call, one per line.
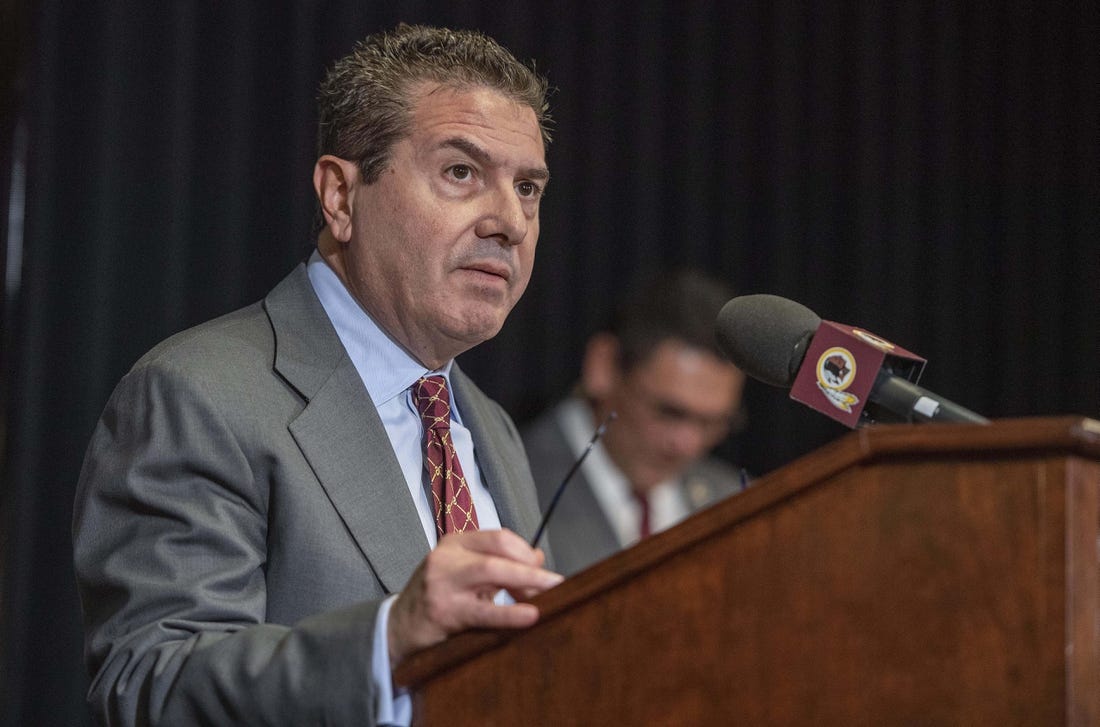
point(488, 267)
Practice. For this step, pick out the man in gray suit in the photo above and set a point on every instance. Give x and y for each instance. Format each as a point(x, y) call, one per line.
point(256, 534)
point(675, 396)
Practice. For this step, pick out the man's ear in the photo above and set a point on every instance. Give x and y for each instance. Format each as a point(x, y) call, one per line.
point(333, 181)
point(600, 370)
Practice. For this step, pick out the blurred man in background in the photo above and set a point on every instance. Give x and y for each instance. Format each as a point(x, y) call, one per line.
point(675, 398)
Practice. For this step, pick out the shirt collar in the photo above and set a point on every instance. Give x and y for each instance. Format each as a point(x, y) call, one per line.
point(387, 370)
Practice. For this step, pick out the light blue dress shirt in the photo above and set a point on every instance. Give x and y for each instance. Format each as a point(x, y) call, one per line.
point(388, 372)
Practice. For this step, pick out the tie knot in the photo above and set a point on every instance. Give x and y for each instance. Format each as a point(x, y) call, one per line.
point(433, 402)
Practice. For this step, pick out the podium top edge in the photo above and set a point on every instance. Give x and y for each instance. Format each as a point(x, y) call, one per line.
point(1069, 434)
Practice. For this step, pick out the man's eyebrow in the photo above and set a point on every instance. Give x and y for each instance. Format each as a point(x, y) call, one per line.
point(483, 157)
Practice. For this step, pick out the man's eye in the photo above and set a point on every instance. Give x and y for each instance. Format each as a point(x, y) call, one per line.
point(461, 171)
point(528, 189)
point(671, 413)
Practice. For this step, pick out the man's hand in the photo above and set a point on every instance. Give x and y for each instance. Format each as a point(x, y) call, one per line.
point(452, 590)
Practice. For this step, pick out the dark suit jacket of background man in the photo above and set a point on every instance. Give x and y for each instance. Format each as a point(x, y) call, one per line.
point(579, 533)
point(248, 543)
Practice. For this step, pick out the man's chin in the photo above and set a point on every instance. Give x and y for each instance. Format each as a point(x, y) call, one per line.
point(644, 482)
point(475, 327)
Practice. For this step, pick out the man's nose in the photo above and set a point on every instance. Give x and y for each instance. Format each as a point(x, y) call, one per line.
point(686, 439)
point(504, 217)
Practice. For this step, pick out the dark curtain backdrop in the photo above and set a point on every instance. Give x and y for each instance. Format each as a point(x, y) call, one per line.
point(927, 170)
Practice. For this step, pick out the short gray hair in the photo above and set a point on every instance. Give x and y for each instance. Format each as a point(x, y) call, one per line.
point(364, 104)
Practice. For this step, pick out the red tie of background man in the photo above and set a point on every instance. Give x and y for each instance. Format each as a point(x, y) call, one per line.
point(451, 498)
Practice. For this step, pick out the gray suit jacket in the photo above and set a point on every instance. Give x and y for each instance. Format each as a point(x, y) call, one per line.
point(579, 533)
point(241, 514)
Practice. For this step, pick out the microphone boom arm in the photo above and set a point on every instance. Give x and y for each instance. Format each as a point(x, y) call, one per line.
point(912, 404)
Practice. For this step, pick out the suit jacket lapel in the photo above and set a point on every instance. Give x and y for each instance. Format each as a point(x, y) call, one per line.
point(341, 436)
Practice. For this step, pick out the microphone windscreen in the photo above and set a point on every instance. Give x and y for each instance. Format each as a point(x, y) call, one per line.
point(766, 336)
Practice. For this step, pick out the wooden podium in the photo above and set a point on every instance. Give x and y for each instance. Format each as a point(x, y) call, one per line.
point(918, 575)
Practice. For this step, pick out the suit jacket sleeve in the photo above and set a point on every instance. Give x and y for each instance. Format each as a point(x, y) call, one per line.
point(170, 537)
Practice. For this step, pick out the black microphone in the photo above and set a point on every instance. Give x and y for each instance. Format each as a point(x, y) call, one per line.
point(569, 476)
point(843, 372)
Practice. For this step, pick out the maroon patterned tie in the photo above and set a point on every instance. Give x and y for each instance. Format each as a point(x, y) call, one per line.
point(451, 498)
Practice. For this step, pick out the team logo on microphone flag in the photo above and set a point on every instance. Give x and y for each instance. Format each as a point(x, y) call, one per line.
point(880, 343)
point(840, 367)
point(836, 370)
